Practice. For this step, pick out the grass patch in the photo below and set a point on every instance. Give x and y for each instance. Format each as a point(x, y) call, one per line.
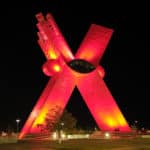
point(88, 144)
point(7, 139)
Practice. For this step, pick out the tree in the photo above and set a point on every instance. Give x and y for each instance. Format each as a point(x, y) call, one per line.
point(67, 122)
point(54, 121)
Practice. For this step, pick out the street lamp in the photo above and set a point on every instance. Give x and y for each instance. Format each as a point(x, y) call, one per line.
point(135, 122)
point(61, 128)
point(17, 121)
point(60, 133)
point(62, 124)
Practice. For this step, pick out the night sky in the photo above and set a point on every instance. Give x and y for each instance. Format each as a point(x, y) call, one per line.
point(126, 59)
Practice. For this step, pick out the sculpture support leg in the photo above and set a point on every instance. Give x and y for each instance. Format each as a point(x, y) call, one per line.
point(101, 103)
point(57, 98)
point(37, 108)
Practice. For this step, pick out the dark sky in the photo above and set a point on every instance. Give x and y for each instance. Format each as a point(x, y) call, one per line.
point(126, 59)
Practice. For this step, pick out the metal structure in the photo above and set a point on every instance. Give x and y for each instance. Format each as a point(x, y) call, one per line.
point(68, 71)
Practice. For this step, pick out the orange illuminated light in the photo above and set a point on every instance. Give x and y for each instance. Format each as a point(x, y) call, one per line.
point(67, 54)
point(56, 68)
point(88, 55)
point(121, 120)
point(52, 54)
point(111, 122)
point(41, 118)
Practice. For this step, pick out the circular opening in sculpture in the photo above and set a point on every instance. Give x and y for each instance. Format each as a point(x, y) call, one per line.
point(81, 66)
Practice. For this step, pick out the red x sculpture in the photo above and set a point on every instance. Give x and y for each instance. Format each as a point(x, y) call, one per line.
point(68, 71)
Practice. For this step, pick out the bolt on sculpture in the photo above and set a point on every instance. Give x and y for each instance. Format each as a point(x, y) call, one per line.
point(68, 71)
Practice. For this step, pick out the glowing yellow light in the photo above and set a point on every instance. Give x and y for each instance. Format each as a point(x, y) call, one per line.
point(41, 118)
point(63, 135)
point(52, 54)
point(107, 135)
point(121, 120)
point(56, 67)
point(111, 122)
point(54, 135)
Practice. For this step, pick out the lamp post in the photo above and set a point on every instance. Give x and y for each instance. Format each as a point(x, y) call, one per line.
point(135, 122)
point(17, 121)
point(60, 133)
point(62, 124)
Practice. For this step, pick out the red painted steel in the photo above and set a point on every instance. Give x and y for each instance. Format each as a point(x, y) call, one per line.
point(64, 79)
